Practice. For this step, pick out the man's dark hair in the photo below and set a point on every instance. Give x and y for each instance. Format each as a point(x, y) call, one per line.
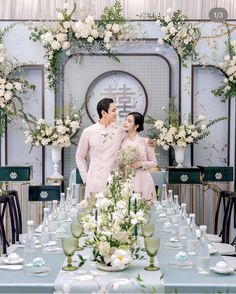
point(103, 104)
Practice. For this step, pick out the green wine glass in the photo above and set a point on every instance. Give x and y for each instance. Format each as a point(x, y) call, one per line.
point(152, 246)
point(76, 230)
point(80, 216)
point(147, 230)
point(69, 246)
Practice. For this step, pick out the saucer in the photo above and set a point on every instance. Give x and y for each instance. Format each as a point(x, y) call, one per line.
point(173, 245)
point(162, 231)
point(183, 264)
point(17, 261)
point(217, 270)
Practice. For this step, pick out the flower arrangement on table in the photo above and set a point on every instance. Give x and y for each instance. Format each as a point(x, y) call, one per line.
point(228, 67)
point(172, 132)
point(179, 34)
point(40, 133)
point(11, 87)
point(68, 35)
point(112, 224)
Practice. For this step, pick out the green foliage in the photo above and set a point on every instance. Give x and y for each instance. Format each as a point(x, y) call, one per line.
point(113, 14)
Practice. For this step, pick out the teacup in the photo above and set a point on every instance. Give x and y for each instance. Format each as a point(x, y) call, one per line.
point(13, 257)
point(222, 265)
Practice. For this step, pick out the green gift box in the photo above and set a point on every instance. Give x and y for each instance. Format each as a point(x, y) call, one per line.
point(183, 175)
point(44, 193)
point(217, 173)
point(15, 173)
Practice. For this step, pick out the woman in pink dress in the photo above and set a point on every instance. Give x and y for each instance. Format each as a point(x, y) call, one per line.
point(143, 181)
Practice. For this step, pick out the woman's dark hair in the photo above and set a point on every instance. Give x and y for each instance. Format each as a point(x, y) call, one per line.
point(138, 120)
point(103, 104)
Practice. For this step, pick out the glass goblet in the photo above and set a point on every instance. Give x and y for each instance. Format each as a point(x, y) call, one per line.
point(69, 247)
point(147, 230)
point(152, 247)
point(76, 230)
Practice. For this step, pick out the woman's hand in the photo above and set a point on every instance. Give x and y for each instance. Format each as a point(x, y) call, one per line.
point(136, 164)
point(152, 143)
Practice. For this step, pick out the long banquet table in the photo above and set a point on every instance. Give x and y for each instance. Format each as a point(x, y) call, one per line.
point(89, 279)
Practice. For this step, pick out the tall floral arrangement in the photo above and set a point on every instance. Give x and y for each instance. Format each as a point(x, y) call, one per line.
point(228, 67)
point(11, 87)
point(112, 223)
point(67, 36)
point(179, 34)
point(172, 132)
point(61, 134)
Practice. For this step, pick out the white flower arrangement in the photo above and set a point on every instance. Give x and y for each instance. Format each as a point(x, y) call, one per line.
point(228, 67)
point(182, 135)
point(171, 132)
point(113, 221)
point(11, 87)
point(128, 155)
point(179, 34)
point(68, 35)
point(39, 133)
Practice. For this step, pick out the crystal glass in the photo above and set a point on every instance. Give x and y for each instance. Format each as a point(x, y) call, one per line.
point(152, 246)
point(147, 230)
point(76, 230)
point(69, 246)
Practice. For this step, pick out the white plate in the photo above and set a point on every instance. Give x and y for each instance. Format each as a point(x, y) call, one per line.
point(173, 245)
point(184, 264)
point(228, 271)
point(19, 260)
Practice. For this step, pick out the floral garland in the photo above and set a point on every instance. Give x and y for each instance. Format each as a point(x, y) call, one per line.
point(228, 67)
point(113, 220)
point(39, 133)
point(87, 35)
point(180, 35)
point(11, 87)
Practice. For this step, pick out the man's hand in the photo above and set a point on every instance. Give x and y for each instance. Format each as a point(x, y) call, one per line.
point(136, 164)
point(152, 143)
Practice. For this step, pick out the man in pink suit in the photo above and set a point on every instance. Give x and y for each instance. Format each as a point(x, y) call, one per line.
point(100, 141)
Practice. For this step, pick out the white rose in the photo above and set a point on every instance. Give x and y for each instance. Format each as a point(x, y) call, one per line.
point(201, 117)
point(89, 20)
point(94, 33)
point(2, 92)
point(106, 40)
point(65, 45)
point(61, 37)
point(8, 95)
point(66, 24)
point(173, 30)
point(2, 81)
point(48, 37)
point(116, 28)
point(227, 58)
point(167, 19)
point(169, 10)
point(56, 45)
point(108, 34)
point(9, 86)
point(160, 41)
point(17, 86)
point(2, 58)
point(108, 26)
point(231, 78)
point(90, 39)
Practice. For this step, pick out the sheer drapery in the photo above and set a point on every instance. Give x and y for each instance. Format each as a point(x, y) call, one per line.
point(46, 9)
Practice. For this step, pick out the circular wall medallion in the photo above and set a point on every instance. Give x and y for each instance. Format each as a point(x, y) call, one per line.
point(124, 88)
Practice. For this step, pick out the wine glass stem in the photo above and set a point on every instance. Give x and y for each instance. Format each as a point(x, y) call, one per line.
point(151, 260)
point(69, 261)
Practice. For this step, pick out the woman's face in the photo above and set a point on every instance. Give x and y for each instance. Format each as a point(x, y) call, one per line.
point(129, 123)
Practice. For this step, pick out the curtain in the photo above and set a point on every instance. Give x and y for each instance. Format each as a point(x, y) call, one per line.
point(46, 9)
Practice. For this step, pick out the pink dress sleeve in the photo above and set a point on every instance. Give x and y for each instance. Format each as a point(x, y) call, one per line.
point(151, 157)
point(81, 153)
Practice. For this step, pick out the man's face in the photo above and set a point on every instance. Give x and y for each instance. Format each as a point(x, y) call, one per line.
point(111, 115)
